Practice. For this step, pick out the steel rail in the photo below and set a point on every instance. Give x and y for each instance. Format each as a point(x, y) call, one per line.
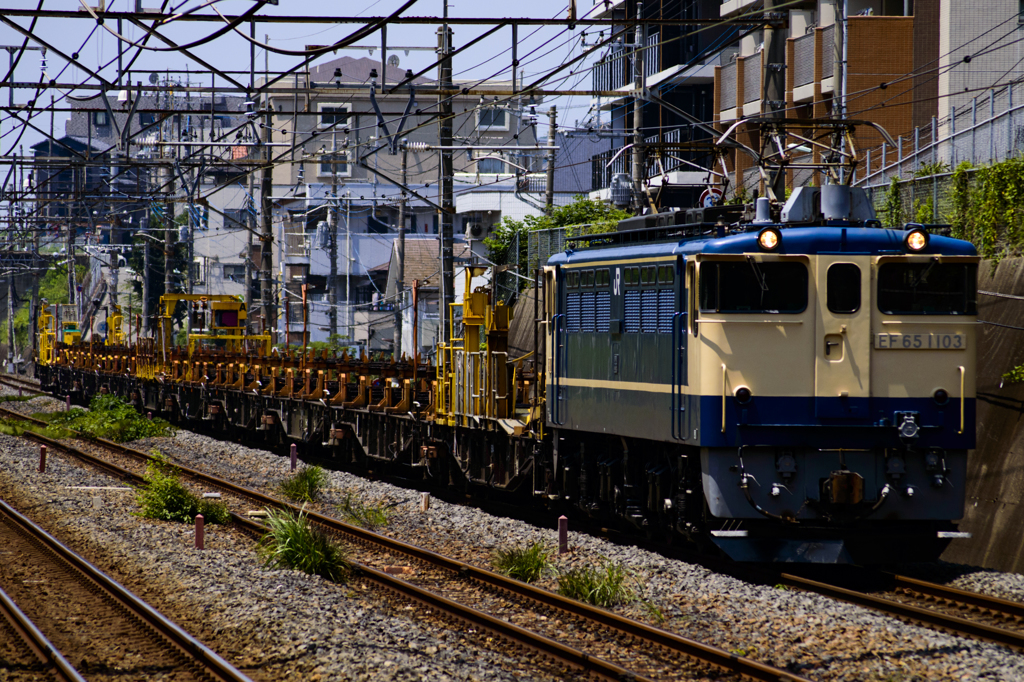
point(669, 640)
point(574, 657)
point(7, 380)
point(1010, 609)
point(920, 615)
point(196, 651)
point(41, 647)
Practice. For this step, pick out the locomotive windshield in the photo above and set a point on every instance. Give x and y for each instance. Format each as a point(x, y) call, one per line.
point(928, 288)
point(750, 287)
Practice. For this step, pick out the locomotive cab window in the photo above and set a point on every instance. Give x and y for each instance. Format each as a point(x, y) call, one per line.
point(930, 288)
point(752, 287)
point(843, 281)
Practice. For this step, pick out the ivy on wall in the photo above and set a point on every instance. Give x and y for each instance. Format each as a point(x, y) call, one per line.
point(988, 207)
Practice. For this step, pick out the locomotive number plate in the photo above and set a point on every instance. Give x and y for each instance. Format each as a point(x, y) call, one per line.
point(920, 341)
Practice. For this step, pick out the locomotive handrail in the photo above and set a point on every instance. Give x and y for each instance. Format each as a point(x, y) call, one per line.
point(725, 390)
point(963, 374)
point(678, 332)
point(556, 380)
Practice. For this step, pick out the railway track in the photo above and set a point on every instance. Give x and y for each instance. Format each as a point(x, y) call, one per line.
point(654, 647)
point(25, 650)
point(948, 609)
point(111, 630)
point(14, 381)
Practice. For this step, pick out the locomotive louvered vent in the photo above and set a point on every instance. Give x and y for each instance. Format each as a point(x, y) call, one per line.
point(666, 308)
point(572, 313)
point(587, 312)
point(649, 311)
point(632, 321)
point(603, 311)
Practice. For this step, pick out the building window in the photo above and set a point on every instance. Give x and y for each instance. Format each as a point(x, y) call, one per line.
point(100, 119)
point(146, 119)
point(492, 119)
point(234, 218)
point(490, 165)
point(337, 160)
point(333, 115)
point(234, 273)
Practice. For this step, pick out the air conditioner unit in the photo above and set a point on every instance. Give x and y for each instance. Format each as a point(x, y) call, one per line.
point(474, 228)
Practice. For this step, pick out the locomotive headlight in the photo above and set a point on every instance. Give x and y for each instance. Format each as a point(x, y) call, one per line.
point(916, 240)
point(743, 395)
point(769, 239)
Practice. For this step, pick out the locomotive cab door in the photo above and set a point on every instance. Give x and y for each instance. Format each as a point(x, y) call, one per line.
point(842, 360)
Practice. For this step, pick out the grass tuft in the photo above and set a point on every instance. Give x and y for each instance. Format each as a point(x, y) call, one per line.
point(292, 542)
point(368, 515)
point(109, 417)
point(165, 497)
point(604, 586)
point(306, 485)
point(522, 563)
point(13, 426)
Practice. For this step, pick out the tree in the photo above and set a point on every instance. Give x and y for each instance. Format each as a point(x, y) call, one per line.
point(581, 217)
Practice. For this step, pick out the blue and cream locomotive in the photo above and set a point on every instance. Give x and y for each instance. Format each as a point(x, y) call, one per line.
point(797, 389)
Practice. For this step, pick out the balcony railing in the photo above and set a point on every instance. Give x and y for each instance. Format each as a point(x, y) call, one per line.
point(616, 69)
point(803, 54)
point(728, 86)
point(752, 78)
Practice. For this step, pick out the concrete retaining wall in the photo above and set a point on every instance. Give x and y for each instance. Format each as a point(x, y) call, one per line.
point(995, 486)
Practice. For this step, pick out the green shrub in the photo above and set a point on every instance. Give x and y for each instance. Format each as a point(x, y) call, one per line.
point(522, 563)
point(370, 516)
point(292, 542)
point(605, 586)
point(111, 418)
point(12, 426)
point(305, 485)
point(165, 497)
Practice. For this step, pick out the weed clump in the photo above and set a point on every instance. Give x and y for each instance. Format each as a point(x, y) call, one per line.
point(165, 497)
point(13, 426)
point(523, 563)
point(306, 485)
point(604, 586)
point(111, 418)
point(370, 516)
point(292, 542)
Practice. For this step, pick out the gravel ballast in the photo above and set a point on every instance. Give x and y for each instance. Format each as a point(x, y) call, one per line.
point(283, 623)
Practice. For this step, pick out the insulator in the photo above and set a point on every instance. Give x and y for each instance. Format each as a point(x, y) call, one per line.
point(418, 146)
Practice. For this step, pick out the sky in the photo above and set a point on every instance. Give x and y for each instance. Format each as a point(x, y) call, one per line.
point(540, 48)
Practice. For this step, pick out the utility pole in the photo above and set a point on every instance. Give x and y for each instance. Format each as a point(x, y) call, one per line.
point(446, 178)
point(400, 255)
point(638, 102)
point(250, 223)
point(147, 326)
point(549, 199)
point(267, 235)
point(774, 93)
point(349, 312)
point(167, 175)
point(10, 276)
point(332, 283)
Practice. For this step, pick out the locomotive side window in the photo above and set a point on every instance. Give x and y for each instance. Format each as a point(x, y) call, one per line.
point(587, 278)
point(751, 287)
point(572, 280)
point(928, 288)
point(603, 277)
point(647, 274)
point(631, 276)
point(843, 288)
point(666, 274)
